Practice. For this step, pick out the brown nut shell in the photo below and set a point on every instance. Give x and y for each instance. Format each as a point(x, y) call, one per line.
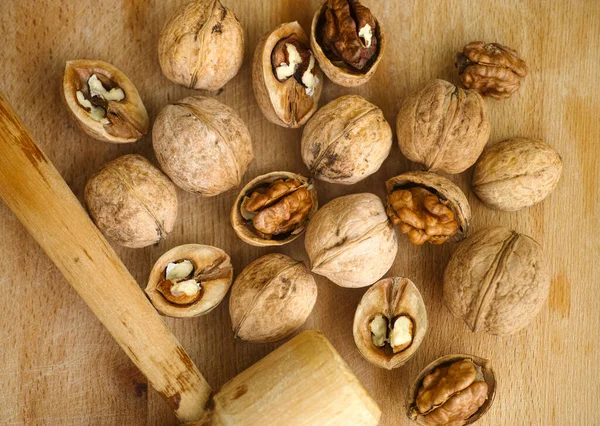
point(132, 202)
point(271, 299)
point(127, 118)
point(444, 189)
point(516, 173)
point(244, 227)
point(351, 241)
point(201, 46)
point(346, 141)
point(443, 127)
point(202, 145)
point(212, 268)
point(391, 297)
point(487, 376)
point(496, 281)
point(338, 72)
point(285, 103)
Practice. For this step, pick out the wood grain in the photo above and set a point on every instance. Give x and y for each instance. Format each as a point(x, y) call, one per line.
point(59, 366)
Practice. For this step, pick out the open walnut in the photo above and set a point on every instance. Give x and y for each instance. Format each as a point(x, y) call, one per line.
point(274, 209)
point(454, 390)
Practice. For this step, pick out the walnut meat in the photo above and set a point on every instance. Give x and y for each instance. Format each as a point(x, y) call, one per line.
point(271, 299)
point(202, 145)
point(516, 173)
point(201, 46)
point(496, 281)
point(491, 69)
point(351, 241)
point(132, 202)
point(346, 140)
point(443, 127)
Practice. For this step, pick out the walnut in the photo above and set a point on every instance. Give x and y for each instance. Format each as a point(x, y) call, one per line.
point(351, 241)
point(132, 202)
point(443, 127)
point(454, 390)
point(491, 69)
point(274, 209)
point(347, 41)
point(202, 145)
point(346, 140)
point(516, 173)
point(427, 207)
point(496, 281)
point(390, 322)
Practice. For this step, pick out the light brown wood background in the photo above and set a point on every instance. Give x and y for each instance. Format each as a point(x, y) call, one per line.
point(59, 366)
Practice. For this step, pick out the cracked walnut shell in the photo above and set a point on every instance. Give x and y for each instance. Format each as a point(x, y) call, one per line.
point(496, 281)
point(443, 127)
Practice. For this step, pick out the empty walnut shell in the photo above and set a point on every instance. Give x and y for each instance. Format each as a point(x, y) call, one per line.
point(242, 219)
point(271, 298)
point(516, 173)
point(391, 298)
point(351, 241)
point(346, 140)
point(212, 271)
point(448, 193)
point(338, 71)
point(289, 103)
point(484, 373)
point(496, 281)
point(443, 127)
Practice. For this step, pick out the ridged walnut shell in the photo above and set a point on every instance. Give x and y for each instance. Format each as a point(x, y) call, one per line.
point(346, 140)
point(488, 377)
point(444, 189)
point(201, 46)
point(496, 281)
point(284, 103)
point(391, 297)
point(351, 241)
point(271, 299)
point(339, 73)
point(244, 229)
point(443, 127)
point(132, 202)
point(202, 145)
point(516, 173)
point(212, 259)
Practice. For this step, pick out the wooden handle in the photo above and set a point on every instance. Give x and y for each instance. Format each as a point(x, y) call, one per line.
point(40, 198)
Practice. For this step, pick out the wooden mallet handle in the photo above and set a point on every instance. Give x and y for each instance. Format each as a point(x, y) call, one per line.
point(41, 199)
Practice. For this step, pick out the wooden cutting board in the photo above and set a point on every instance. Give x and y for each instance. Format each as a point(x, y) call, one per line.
point(59, 366)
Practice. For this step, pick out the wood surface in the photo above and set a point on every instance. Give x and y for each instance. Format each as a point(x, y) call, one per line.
point(59, 366)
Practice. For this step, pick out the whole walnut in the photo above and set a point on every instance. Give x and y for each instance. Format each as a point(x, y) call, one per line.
point(271, 298)
point(132, 202)
point(351, 241)
point(496, 281)
point(443, 127)
point(202, 145)
point(201, 46)
point(516, 173)
point(346, 140)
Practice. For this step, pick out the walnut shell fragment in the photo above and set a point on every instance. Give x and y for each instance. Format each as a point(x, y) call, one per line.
point(293, 99)
point(271, 299)
point(453, 390)
point(390, 322)
point(443, 127)
point(428, 223)
point(201, 286)
point(516, 173)
point(496, 281)
point(103, 101)
point(351, 241)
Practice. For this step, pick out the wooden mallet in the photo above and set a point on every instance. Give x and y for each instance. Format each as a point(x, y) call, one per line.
point(305, 381)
